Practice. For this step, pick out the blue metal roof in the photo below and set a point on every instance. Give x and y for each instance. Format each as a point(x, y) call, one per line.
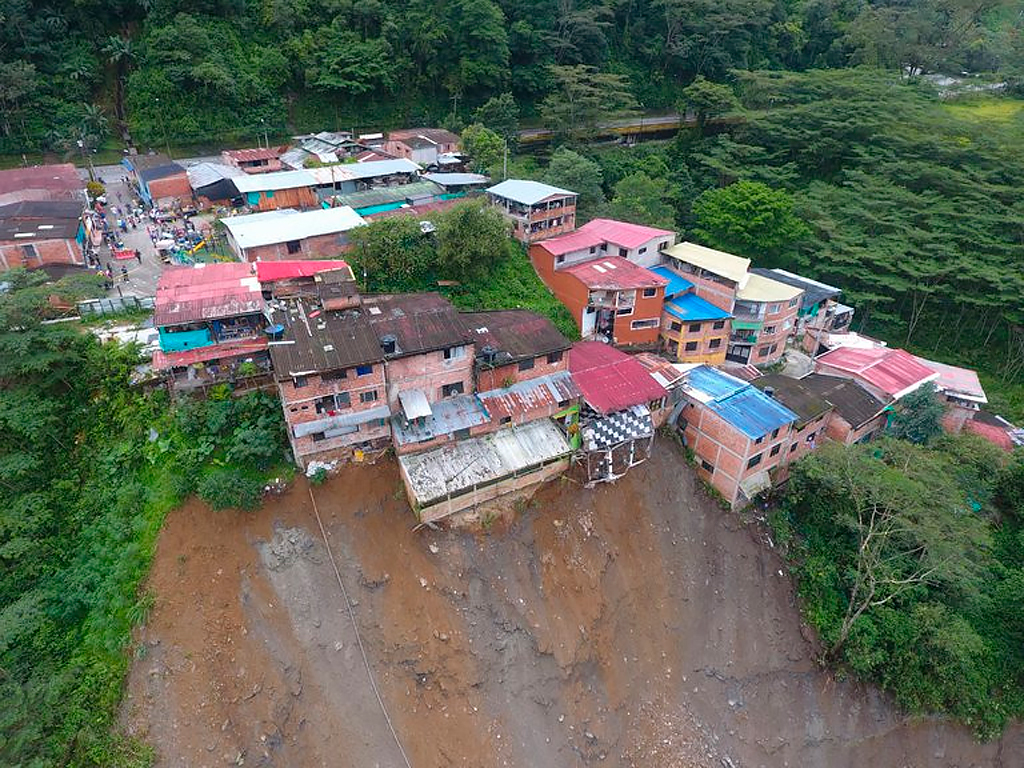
point(690, 306)
point(676, 284)
point(740, 404)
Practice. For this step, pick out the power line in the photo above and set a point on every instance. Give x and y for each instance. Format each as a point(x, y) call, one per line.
point(355, 626)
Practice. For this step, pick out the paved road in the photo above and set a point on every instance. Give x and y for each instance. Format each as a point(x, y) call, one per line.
point(142, 278)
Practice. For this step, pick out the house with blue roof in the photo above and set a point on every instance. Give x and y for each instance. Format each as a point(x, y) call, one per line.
point(693, 330)
point(742, 437)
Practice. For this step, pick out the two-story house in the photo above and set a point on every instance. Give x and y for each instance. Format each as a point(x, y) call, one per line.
point(819, 313)
point(259, 160)
point(693, 330)
point(535, 210)
point(737, 433)
point(211, 321)
point(428, 358)
point(522, 368)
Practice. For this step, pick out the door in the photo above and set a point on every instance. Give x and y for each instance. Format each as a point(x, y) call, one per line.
point(588, 319)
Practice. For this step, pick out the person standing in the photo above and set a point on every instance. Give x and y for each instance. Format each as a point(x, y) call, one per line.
point(124, 274)
point(138, 255)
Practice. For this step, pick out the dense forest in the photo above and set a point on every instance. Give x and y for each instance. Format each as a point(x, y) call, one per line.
point(216, 70)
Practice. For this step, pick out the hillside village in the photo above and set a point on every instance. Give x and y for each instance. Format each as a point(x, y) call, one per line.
point(752, 368)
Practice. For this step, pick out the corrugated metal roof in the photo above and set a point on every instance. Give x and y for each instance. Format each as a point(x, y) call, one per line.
point(414, 404)
point(444, 417)
point(795, 395)
point(30, 220)
point(749, 410)
point(164, 360)
point(160, 172)
point(204, 174)
point(599, 231)
point(518, 332)
point(457, 466)
point(762, 289)
point(417, 190)
point(290, 225)
point(690, 306)
point(676, 283)
point(318, 340)
point(891, 371)
point(609, 379)
point(339, 419)
point(419, 322)
point(724, 264)
point(541, 392)
point(368, 170)
point(44, 180)
point(436, 135)
point(206, 292)
point(614, 273)
point(457, 179)
point(249, 155)
point(527, 192)
point(953, 380)
point(850, 399)
point(269, 271)
point(265, 182)
point(705, 383)
point(814, 292)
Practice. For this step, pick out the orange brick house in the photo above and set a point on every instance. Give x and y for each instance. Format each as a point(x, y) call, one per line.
point(38, 232)
point(535, 210)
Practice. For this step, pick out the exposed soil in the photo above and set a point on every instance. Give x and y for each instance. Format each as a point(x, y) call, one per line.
point(629, 625)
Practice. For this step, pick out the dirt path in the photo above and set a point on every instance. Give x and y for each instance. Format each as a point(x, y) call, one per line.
point(634, 625)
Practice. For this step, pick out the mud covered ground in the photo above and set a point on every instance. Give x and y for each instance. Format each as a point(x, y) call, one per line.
point(630, 625)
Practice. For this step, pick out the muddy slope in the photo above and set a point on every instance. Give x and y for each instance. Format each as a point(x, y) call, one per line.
point(634, 625)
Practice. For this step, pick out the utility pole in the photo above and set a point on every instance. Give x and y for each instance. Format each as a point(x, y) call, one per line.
point(504, 166)
point(87, 158)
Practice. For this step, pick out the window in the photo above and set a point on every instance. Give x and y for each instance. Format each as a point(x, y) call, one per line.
point(318, 437)
point(368, 397)
point(293, 246)
point(719, 325)
point(710, 468)
point(787, 325)
point(643, 250)
point(773, 309)
point(762, 352)
point(792, 302)
point(334, 375)
point(691, 346)
point(694, 328)
point(450, 390)
point(461, 434)
point(663, 246)
point(506, 419)
point(775, 433)
point(775, 450)
point(769, 329)
point(29, 252)
point(650, 293)
point(636, 325)
point(454, 353)
point(714, 344)
point(593, 249)
point(675, 326)
point(754, 461)
point(623, 252)
point(624, 311)
point(364, 370)
point(526, 365)
point(759, 440)
point(793, 447)
point(559, 259)
point(554, 357)
point(774, 348)
point(300, 381)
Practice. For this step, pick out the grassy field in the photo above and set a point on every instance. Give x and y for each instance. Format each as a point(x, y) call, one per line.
point(987, 108)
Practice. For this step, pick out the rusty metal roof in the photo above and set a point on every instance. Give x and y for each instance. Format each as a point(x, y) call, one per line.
point(518, 332)
point(609, 379)
point(541, 392)
point(419, 322)
point(206, 292)
point(40, 182)
point(316, 340)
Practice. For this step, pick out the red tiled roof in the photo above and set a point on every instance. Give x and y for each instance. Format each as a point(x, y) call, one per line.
point(164, 360)
point(190, 294)
point(248, 155)
point(892, 371)
point(269, 271)
point(609, 379)
point(615, 273)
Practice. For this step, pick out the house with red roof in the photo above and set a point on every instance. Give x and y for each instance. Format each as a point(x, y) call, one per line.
point(260, 160)
point(619, 396)
point(886, 373)
point(597, 272)
point(41, 182)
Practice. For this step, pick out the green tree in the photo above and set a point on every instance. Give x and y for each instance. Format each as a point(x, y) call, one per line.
point(706, 100)
point(750, 219)
point(501, 115)
point(393, 252)
point(571, 170)
point(480, 44)
point(642, 200)
point(484, 146)
point(472, 239)
point(17, 80)
point(918, 416)
point(120, 53)
point(581, 98)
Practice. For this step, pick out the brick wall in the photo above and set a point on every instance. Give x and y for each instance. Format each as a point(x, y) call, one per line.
point(171, 187)
point(676, 334)
point(320, 247)
point(15, 254)
point(839, 429)
point(722, 295)
point(644, 309)
point(770, 347)
point(505, 375)
point(428, 372)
